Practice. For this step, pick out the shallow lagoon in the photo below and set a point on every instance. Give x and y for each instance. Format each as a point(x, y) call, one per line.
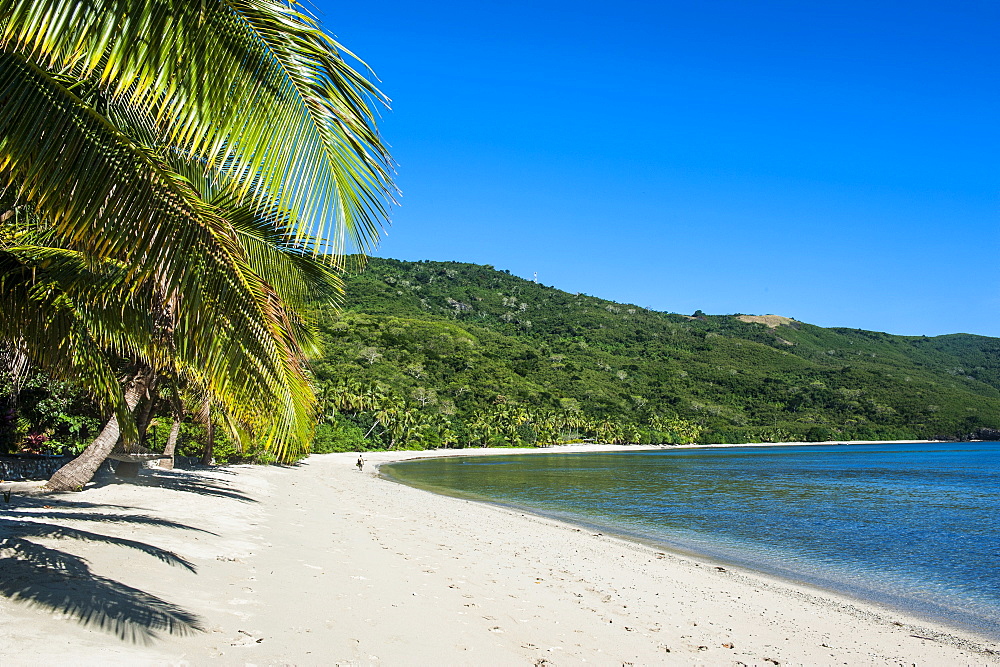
point(912, 526)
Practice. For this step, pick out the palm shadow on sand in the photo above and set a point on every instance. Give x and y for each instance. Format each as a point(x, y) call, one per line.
point(180, 480)
point(48, 578)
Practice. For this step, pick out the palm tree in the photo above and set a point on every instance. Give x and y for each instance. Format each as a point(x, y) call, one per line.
point(176, 420)
point(115, 118)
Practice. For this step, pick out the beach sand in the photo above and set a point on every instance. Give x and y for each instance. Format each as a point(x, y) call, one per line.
point(319, 564)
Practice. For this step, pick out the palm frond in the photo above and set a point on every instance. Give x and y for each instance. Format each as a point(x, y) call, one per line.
point(68, 342)
point(131, 207)
point(251, 87)
point(213, 162)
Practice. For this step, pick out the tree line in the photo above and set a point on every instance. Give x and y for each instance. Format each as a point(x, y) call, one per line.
point(361, 416)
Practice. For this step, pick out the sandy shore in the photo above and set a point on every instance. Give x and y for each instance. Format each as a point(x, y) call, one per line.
point(320, 564)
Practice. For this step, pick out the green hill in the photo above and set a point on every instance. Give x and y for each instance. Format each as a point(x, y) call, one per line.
point(451, 342)
point(426, 354)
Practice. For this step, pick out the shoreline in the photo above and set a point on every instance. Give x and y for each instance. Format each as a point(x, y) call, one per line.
point(986, 648)
point(691, 552)
point(320, 564)
point(34, 486)
point(601, 447)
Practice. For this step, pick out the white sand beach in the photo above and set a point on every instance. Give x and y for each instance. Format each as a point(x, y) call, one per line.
point(319, 564)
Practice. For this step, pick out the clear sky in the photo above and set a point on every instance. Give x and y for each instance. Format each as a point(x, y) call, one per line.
point(835, 162)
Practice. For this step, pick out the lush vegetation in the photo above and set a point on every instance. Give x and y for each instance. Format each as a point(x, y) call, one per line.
point(472, 355)
point(171, 175)
point(431, 354)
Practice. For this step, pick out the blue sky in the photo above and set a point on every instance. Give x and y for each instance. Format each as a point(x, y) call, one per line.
point(833, 162)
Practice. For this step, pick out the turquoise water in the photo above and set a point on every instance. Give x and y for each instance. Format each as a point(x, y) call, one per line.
point(911, 526)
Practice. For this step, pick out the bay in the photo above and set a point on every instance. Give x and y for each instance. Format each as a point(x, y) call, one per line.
point(910, 526)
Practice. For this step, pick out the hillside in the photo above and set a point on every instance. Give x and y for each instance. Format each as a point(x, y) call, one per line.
point(453, 340)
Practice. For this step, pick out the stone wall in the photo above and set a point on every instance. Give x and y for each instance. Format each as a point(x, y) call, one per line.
point(16, 468)
point(26, 467)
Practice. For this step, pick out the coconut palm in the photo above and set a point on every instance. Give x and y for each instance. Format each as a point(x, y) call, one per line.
point(119, 120)
point(72, 316)
point(298, 283)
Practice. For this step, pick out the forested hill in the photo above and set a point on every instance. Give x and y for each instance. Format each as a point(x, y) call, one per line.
point(458, 339)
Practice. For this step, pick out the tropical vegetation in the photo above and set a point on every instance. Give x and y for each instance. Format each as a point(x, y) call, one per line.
point(180, 184)
point(508, 361)
point(447, 354)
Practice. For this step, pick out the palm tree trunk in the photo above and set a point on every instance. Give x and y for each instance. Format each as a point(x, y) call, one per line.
point(175, 431)
point(146, 413)
point(171, 445)
point(15, 365)
point(74, 475)
point(206, 454)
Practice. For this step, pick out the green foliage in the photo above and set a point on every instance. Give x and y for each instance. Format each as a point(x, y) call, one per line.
point(192, 439)
point(340, 435)
point(165, 169)
point(46, 417)
point(441, 354)
point(496, 354)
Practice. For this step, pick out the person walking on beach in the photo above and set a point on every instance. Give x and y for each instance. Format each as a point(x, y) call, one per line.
point(361, 463)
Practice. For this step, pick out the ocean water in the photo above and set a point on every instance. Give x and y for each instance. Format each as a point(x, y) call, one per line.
point(910, 526)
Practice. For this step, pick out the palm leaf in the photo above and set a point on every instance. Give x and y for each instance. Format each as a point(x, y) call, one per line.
point(113, 116)
point(68, 341)
point(308, 135)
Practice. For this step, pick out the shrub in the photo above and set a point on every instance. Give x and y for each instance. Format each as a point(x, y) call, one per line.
point(340, 435)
